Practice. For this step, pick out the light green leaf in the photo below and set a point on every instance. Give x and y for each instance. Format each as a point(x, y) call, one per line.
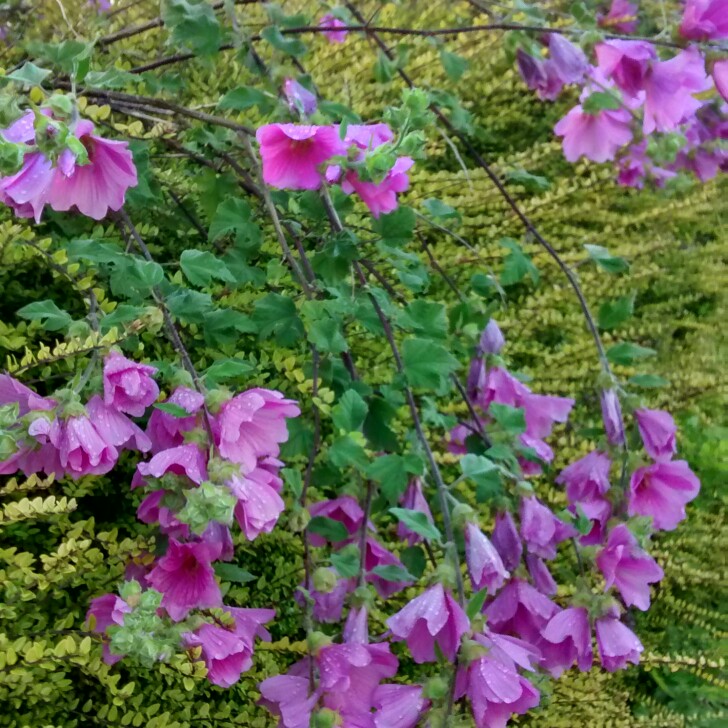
point(349, 412)
point(605, 260)
point(625, 353)
point(29, 74)
point(201, 266)
point(613, 313)
point(47, 312)
point(427, 365)
point(418, 522)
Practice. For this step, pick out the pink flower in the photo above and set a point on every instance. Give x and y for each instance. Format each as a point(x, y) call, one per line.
point(82, 450)
point(185, 460)
point(343, 509)
point(506, 540)
point(658, 431)
point(375, 556)
point(617, 644)
point(542, 411)
point(622, 17)
point(333, 36)
point(287, 696)
point(627, 567)
point(662, 490)
point(484, 562)
point(116, 428)
point(292, 154)
point(299, 98)
point(225, 655)
point(99, 186)
point(568, 60)
point(598, 511)
point(356, 628)
point(492, 339)
point(167, 431)
point(129, 386)
point(669, 89)
point(626, 62)
point(432, 618)
point(414, 500)
point(587, 478)
point(612, 416)
point(219, 541)
point(595, 136)
point(720, 77)
point(399, 706)
point(259, 506)
point(249, 623)
point(367, 136)
point(328, 606)
point(541, 530)
point(13, 391)
point(380, 197)
point(26, 191)
point(539, 75)
point(503, 388)
point(705, 20)
point(151, 510)
point(107, 611)
point(569, 634)
point(186, 579)
point(252, 425)
point(521, 609)
point(541, 576)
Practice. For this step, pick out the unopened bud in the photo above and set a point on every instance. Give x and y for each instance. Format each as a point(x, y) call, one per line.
point(216, 398)
point(472, 650)
point(436, 688)
point(363, 596)
point(324, 580)
point(317, 640)
point(298, 520)
point(462, 513)
point(446, 575)
point(325, 718)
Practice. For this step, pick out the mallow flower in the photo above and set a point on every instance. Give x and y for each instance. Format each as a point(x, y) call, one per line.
point(432, 618)
point(520, 609)
point(343, 509)
point(186, 460)
point(104, 612)
point(398, 706)
point(568, 635)
point(612, 416)
point(225, 655)
point(167, 431)
point(129, 386)
point(380, 197)
point(586, 478)
point(299, 98)
point(622, 17)
point(705, 20)
point(333, 36)
point(81, 449)
point(259, 506)
point(414, 500)
point(506, 540)
point(616, 642)
point(658, 430)
point(541, 530)
point(376, 555)
point(484, 562)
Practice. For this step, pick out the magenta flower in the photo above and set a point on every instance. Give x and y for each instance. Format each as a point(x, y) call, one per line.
point(492, 339)
point(595, 136)
point(356, 628)
point(662, 490)
point(568, 60)
point(167, 431)
point(627, 567)
point(13, 391)
point(587, 478)
point(287, 696)
point(617, 644)
point(26, 191)
point(720, 77)
point(598, 511)
point(292, 154)
point(541, 530)
point(104, 612)
point(542, 411)
point(495, 691)
point(252, 425)
point(432, 618)
point(186, 460)
point(612, 416)
point(82, 450)
point(151, 510)
point(477, 378)
point(186, 579)
point(506, 540)
point(249, 623)
point(622, 17)
point(541, 576)
point(129, 386)
point(376, 555)
point(299, 98)
point(380, 197)
point(116, 428)
point(38, 452)
point(539, 75)
point(520, 609)
point(259, 506)
point(99, 186)
point(484, 562)
point(219, 541)
point(368, 136)
point(414, 500)
point(569, 635)
point(511, 651)
point(328, 606)
point(627, 62)
point(333, 36)
point(225, 655)
point(658, 430)
point(670, 89)
point(343, 509)
point(399, 706)
point(705, 20)
point(503, 388)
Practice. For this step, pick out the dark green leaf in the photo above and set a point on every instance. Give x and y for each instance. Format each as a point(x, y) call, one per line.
point(325, 333)
point(227, 369)
point(349, 412)
point(192, 24)
point(396, 228)
point(346, 452)
point(347, 561)
point(290, 45)
point(384, 68)
point(649, 381)
point(113, 78)
point(51, 317)
point(171, 409)
point(190, 306)
point(393, 472)
point(133, 277)
point(613, 313)
point(605, 260)
point(232, 572)
point(427, 365)
point(439, 209)
point(484, 473)
point(234, 216)
point(418, 522)
point(425, 317)
point(626, 353)
point(454, 65)
point(276, 316)
point(391, 572)
point(224, 326)
point(475, 605)
point(201, 267)
point(511, 419)
point(531, 182)
point(330, 529)
point(245, 97)
point(517, 264)
point(414, 560)
point(601, 101)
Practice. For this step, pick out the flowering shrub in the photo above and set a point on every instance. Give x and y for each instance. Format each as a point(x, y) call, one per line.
point(391, 522)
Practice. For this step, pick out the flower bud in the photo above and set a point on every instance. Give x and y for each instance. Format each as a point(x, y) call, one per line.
point(491, 340)
point(462, 513)
point(317, 640)
point(325, 718)
point(436, 688)
point(298, 520)
point(472, 650)
point(215, 398)
point(324, 580)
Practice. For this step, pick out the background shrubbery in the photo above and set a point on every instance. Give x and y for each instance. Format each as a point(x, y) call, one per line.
point(63, 543)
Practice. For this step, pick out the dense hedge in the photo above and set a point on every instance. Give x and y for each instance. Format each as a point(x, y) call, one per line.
point(62, 543)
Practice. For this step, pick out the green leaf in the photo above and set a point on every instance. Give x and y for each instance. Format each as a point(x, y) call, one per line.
point(171, 409)
point(133, 277)
point(234, 216)
point(484, 473)
point(625, 353)
point(346, 562)
point(192, 24)
point(276, 316)
point(51, 317)
point(393, 472)
point(396, 228)
point(613, 313)
point(349, 412)
point(414, 560)
point(605, 260)
point(227, 369)
point(346, 452)
point(29, 74)
point(392, 572)
point(293, 480)
point(648, 381)
point(427, 365)
point(418, 522)
point(224, 326)
point(11, 157)
point(290, 45)
point(517, 265)
point(454, 65)
point(188, 305)
point(384, 68)
point(531, 182)
point(424, 317)
point(233, 573)
point(246, 97)
point(330, 529)
point(475, 605)
point(122, 314)
point(440, 210)
point(201, 266)
point(325, 334)
point(601, 101)
point(94, 251)
point(113, 78)
point(511, 419)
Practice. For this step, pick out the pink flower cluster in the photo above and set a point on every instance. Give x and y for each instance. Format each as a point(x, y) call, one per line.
point(93, 188)
point(631, 84)
point(295, 156)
